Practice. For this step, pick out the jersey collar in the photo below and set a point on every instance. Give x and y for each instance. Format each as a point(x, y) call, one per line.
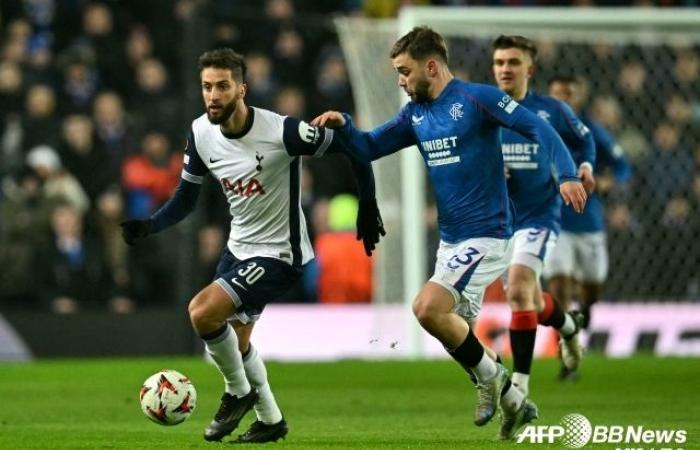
point(246, 128)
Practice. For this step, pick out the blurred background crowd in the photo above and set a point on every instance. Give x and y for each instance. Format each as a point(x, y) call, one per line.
point(96, 99)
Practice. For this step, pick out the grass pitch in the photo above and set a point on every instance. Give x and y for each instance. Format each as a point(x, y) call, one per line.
point(93, 404)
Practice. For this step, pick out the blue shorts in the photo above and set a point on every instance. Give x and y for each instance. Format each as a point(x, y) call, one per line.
point(254, 282)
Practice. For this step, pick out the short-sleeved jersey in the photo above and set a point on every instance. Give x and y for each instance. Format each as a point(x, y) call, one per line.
point(608, 154)
point(259, 171)
point(533, 181)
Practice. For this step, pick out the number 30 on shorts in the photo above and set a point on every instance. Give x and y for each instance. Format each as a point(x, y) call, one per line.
point(252, 272)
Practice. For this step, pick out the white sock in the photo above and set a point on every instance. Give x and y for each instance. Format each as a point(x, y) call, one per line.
point(223, 349)
point(512, 399)
point(266, 407)
point(521, 380)
point(486, 369)
point(569, 326)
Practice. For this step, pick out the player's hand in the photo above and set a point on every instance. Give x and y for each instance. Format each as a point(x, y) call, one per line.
point(330, 119)
point(369, 224)
point(587, 178)
point(136, 229)
point(573, 194)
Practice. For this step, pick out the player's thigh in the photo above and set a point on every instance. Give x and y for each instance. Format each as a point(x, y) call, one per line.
point(211, 304)
point(560, 261)
point(592, 252)
point(467, 268)
point(531, 246)
point(254, 282)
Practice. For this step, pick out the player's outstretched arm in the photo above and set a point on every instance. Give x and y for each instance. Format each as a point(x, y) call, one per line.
point(180, 205)
point(301, 138)
point(368, 146)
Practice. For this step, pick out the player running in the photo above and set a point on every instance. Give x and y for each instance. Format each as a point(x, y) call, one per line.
point(255, 155)
point(581, 256)
point(456, 126)
point(532, 185)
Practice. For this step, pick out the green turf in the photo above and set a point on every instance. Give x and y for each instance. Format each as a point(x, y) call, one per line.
point(93, 404)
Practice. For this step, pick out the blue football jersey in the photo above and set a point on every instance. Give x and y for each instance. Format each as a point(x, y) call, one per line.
point(608, 154)
point(534, 173)
point(458, 136)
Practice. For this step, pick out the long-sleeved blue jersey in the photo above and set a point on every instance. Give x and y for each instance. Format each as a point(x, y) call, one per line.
point(608, 154)
point(458, 135)
point(534, 173)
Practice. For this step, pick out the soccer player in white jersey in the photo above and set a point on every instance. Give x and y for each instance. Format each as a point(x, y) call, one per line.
point(456, 127)
point(255, 155)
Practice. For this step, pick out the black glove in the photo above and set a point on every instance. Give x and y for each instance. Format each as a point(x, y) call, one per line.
point(136, 229)
point(369, 224)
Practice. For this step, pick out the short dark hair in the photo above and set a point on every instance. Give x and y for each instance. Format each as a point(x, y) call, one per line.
point(521, 42)
point(420, 43)
point(224, 58)
point(563, 78)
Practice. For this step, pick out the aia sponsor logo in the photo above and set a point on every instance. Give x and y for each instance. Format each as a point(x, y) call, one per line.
point(242, 188)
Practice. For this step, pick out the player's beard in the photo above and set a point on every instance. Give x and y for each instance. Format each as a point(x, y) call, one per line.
point(224, 113)
point(421, 93)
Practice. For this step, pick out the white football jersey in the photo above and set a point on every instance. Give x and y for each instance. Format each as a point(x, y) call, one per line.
point(259, 171)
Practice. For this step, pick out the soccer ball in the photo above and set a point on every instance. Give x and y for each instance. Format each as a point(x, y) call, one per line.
point(167, 397)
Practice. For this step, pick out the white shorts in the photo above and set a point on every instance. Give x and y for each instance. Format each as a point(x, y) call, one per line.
point(531, 246)
point(467, 268)
point(583, 256)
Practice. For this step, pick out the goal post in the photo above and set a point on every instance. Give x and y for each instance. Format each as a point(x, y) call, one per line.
point(633, 62)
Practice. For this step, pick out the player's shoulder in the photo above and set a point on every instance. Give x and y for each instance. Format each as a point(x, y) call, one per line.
point(201, 124)
point(547, 101)
point(471, 89)
point(267, 115)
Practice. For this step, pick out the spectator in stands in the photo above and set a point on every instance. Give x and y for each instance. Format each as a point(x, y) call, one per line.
point(83, 158)
point(686, 71)
point(670, 166)
point(40, 124)
point(104, 38)
point(110, 213)
point(24, 227)
point(72, 270)
point(150, 177)
point(290, 101)
point(115, 132)
point(11, 89)
point(332, 85)
point(261, 80)
point(289, 56)
point(11, 108)
point(137, 49)
point(57, 184)
point(344, 273)
point(40, 69)
point(80, 85)
point(153, 102)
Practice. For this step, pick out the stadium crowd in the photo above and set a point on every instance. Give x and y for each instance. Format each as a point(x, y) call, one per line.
point(95, 105)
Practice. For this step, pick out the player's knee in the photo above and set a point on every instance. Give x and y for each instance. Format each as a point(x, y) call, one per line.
point(423, 310)
point(520, 295)
point(200, 313)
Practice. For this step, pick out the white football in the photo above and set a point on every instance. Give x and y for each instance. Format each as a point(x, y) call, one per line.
point(168, 397)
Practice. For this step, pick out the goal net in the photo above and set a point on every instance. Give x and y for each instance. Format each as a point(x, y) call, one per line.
point(642, 69)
